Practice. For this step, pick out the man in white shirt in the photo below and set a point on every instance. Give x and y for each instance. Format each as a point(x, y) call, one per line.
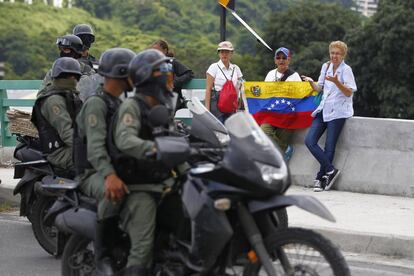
point(281, 136)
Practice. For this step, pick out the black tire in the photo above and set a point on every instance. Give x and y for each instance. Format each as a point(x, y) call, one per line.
point(78, 257)
point(329, 261)
point(45, 235)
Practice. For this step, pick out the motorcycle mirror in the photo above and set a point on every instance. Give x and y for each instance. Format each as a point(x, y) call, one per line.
point(159, 116)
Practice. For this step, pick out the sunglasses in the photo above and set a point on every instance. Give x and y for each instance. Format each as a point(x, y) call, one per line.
point(164, 67)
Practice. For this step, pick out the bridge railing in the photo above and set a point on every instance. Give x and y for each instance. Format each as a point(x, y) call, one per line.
point(7, 139)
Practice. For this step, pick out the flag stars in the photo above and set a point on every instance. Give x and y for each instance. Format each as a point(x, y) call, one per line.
point(282, 101)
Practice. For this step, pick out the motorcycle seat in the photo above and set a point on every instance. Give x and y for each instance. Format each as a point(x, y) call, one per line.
point(58, 183)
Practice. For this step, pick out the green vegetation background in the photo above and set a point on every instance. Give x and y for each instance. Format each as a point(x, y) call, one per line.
point(380, 48)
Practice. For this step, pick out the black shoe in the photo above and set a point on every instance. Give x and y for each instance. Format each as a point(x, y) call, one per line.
point(329, 179)
point(104, 267)
point(105, 230)
point(318, 185)
point(135, 270)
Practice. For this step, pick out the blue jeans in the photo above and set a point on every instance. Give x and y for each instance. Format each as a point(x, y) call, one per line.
point(223, 117)
point(326, 156)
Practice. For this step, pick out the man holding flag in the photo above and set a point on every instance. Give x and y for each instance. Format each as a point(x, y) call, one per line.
point(280, 135)
point(283, 102)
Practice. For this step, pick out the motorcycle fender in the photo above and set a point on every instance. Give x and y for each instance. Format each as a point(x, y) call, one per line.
point(307, 203)
point(59, 206)
point(29, 177)
point(79, 221)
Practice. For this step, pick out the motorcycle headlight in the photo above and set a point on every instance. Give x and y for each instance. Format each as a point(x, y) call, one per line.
point(271, 173)
point(223, 138)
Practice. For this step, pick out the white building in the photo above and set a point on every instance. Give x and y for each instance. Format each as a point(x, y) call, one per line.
point(55, 3)
point(366, 7)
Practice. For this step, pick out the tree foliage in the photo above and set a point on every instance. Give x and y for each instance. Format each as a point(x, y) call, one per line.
point(383, 61)
point(306, 29)
point(379, 47)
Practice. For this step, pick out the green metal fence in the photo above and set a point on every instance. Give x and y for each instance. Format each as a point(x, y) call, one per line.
point(8, 140)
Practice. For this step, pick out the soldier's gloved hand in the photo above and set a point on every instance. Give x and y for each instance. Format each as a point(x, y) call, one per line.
point(115, 188)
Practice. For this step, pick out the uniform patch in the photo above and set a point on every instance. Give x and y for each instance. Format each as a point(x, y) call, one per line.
point(56, 109)
point(92, 120)
point(127, 119)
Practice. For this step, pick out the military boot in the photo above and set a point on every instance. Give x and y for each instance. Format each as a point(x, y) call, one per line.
point(105, 230)
point(135, 270)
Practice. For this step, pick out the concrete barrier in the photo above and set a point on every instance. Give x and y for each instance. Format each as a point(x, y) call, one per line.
point(374, 155)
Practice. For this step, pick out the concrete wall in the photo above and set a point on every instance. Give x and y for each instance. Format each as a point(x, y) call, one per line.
point(375, 156)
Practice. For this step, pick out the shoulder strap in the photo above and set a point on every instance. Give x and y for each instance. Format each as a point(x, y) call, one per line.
point(324, 76)
point(327, 68)
point(287, 74)
point(232, 73)
point(223, 72)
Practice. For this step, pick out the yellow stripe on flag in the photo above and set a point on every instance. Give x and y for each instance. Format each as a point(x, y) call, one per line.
point(281, 89)
point(224, 3)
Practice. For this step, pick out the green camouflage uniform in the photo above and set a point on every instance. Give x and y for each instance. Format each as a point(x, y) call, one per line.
point(138, 209)
point(141, 206)
point(91, 123)
point(54, 110)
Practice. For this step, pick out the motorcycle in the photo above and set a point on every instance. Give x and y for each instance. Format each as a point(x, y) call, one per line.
point(33, 169)
point(225, 223)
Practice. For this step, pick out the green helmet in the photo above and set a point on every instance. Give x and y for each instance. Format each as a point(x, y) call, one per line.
point(114, 63)
point(85, 33)
point(70, 41)
point(66, 65)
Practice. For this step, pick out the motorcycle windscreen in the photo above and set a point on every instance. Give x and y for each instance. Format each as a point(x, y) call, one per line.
point(253, 157)
point(205, 126)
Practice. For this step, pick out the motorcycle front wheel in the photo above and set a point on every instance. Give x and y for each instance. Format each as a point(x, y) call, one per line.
point(296, 251)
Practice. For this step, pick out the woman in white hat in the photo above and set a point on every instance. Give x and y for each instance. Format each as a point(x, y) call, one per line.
point(217, 74)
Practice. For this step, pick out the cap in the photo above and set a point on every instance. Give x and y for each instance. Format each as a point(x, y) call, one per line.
point(225, 45)
point(283, 50)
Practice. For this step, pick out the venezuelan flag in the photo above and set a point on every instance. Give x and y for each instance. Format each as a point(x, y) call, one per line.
point(281, 104)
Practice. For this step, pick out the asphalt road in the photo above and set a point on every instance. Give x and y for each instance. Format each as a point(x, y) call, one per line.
point(20, 255)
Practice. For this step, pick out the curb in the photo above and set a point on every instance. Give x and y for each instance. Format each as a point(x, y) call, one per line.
point(368, 243)
point(6, 195)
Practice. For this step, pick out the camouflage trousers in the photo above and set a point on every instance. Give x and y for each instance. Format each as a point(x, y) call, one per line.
point(137, 216)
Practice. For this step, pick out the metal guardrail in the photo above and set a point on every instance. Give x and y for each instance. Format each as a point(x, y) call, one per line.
point(7, 139)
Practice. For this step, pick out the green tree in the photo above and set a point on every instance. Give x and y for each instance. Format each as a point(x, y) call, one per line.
point(307, 28)
point(382, 62)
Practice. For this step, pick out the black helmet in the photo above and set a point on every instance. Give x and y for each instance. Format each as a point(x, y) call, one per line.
point(70, 41)
point(85, 33)
point(114, 63)
point(144, 63)
point(66, 65)
point(151, 73)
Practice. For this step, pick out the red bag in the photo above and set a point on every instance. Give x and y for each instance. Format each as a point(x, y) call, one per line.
point(227, 100)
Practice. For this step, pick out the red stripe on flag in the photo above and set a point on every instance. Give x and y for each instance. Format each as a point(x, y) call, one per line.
point(292, 120)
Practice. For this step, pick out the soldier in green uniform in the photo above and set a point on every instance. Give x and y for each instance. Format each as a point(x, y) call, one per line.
point(94, 167)
point(151, 74)
point(69, 46)
point(85, 33)
point(54, 112)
